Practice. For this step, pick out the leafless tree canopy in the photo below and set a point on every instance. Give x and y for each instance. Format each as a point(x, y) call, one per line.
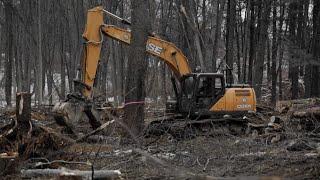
point(265, 43)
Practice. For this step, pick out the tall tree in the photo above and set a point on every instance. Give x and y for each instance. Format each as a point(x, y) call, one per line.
point(217, 35)
point(39, 66)
point(274, 54)
point(186, 36)
point(281, 46)
point(135, 82)
point(252, 38)
point(165, 16)
point(293, 62)
point(9, 50)
point(315, 82)
point(263, 24)
point(231, 24)
point(189, 11)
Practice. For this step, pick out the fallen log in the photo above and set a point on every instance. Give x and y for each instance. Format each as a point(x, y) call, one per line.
point(296, 105)
point(305, 113)
point(63, 172)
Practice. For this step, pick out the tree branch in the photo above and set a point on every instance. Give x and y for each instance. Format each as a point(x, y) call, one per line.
point(17, 14)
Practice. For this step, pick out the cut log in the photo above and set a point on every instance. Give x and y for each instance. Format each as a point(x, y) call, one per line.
point(313, 112)
point(98, 174)
point(293, 105)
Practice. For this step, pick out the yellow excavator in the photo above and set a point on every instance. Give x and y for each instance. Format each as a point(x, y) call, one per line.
point(196, 94)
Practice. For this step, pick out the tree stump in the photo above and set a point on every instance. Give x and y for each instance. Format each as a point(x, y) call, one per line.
point(23, 108)
point(23, 115)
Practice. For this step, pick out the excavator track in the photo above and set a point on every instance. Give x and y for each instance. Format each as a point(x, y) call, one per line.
point(181, 127)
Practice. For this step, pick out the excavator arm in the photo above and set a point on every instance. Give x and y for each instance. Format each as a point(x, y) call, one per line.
point(164, 50)
point(94, 35)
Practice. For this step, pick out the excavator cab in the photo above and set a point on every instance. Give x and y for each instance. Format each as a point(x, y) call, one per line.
point(206, 94)
point(199, 92)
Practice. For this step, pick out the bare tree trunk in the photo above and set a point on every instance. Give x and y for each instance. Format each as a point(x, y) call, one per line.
point(122, 59)
point(39, 67)
point(199, 51)
point(1, 39)
point(231, 24)
point(50, 70)
point(165, 16)
point(246, 41)
point(63, 74)
point(18, 56)
point(104, 72)
point(293, 62)
point(269, 61)
point(190, 14)
point(263, 37)
point(308, 67)
point(238, 51)
point(186, 36)
point(252, 41)
point(281, 49)
point(121, 76)
point(114, 59)
point(315, 82)
point(50, 84)
point(135, 84)
point(217, 36)
point(117, 64)
point(274, 54)
point(18, 71)
point(9, 51)
point(27, 70)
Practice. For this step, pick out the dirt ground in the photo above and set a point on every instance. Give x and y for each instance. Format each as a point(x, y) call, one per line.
point(193, 152)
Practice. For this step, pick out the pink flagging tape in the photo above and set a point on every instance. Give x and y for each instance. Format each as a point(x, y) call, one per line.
point(134, 102)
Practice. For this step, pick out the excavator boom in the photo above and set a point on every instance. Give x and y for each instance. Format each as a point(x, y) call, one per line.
point(162, 49)
point(94, 31)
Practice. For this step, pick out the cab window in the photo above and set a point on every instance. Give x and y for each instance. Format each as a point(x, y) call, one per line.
point(205, 86)
point(210, 86)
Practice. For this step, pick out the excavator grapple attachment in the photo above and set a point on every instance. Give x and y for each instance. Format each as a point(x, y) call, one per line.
point(69, 113)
